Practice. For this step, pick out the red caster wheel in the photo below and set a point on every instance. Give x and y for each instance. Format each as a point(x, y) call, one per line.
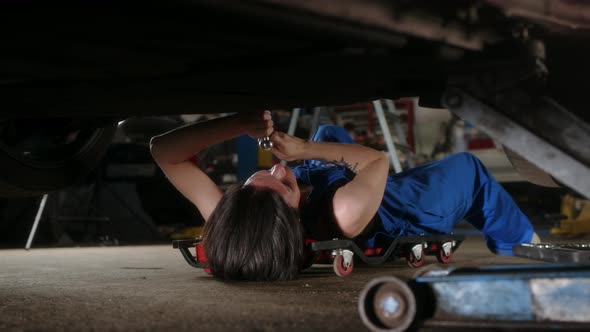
point(445, 253)
point(415, 256)
point(343, 263)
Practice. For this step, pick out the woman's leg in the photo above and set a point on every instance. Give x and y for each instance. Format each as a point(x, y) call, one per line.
point(494, 212)
point(434, 197)
point(487, 206)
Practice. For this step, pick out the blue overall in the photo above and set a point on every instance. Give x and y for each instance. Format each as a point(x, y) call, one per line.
point(428, 199)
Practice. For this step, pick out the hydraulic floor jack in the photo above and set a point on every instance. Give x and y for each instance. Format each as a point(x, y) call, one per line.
point(514, 298)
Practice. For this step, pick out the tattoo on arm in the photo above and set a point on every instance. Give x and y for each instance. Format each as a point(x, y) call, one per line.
point(342, 162)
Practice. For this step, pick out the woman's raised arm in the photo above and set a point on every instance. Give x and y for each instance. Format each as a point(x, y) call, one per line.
point(173, 150)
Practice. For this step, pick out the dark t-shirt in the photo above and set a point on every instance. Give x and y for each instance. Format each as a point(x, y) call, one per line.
point(316, 213)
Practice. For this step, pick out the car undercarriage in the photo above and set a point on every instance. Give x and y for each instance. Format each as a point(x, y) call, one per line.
point(70, 72)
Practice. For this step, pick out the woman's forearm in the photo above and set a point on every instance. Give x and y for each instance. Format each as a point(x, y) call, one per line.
point(356, 156)
point(182, 143)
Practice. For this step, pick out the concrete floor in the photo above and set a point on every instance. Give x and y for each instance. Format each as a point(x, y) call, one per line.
point(153, 288)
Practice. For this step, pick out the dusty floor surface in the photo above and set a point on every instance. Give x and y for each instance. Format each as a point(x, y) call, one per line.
point(153, 288)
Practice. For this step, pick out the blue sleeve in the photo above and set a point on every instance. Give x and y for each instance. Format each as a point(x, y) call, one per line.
point(332, 133)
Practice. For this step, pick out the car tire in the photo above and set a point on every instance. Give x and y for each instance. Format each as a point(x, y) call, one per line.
point(24, 178)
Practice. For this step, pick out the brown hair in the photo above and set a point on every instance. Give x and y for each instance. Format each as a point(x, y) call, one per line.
point(253, 234)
